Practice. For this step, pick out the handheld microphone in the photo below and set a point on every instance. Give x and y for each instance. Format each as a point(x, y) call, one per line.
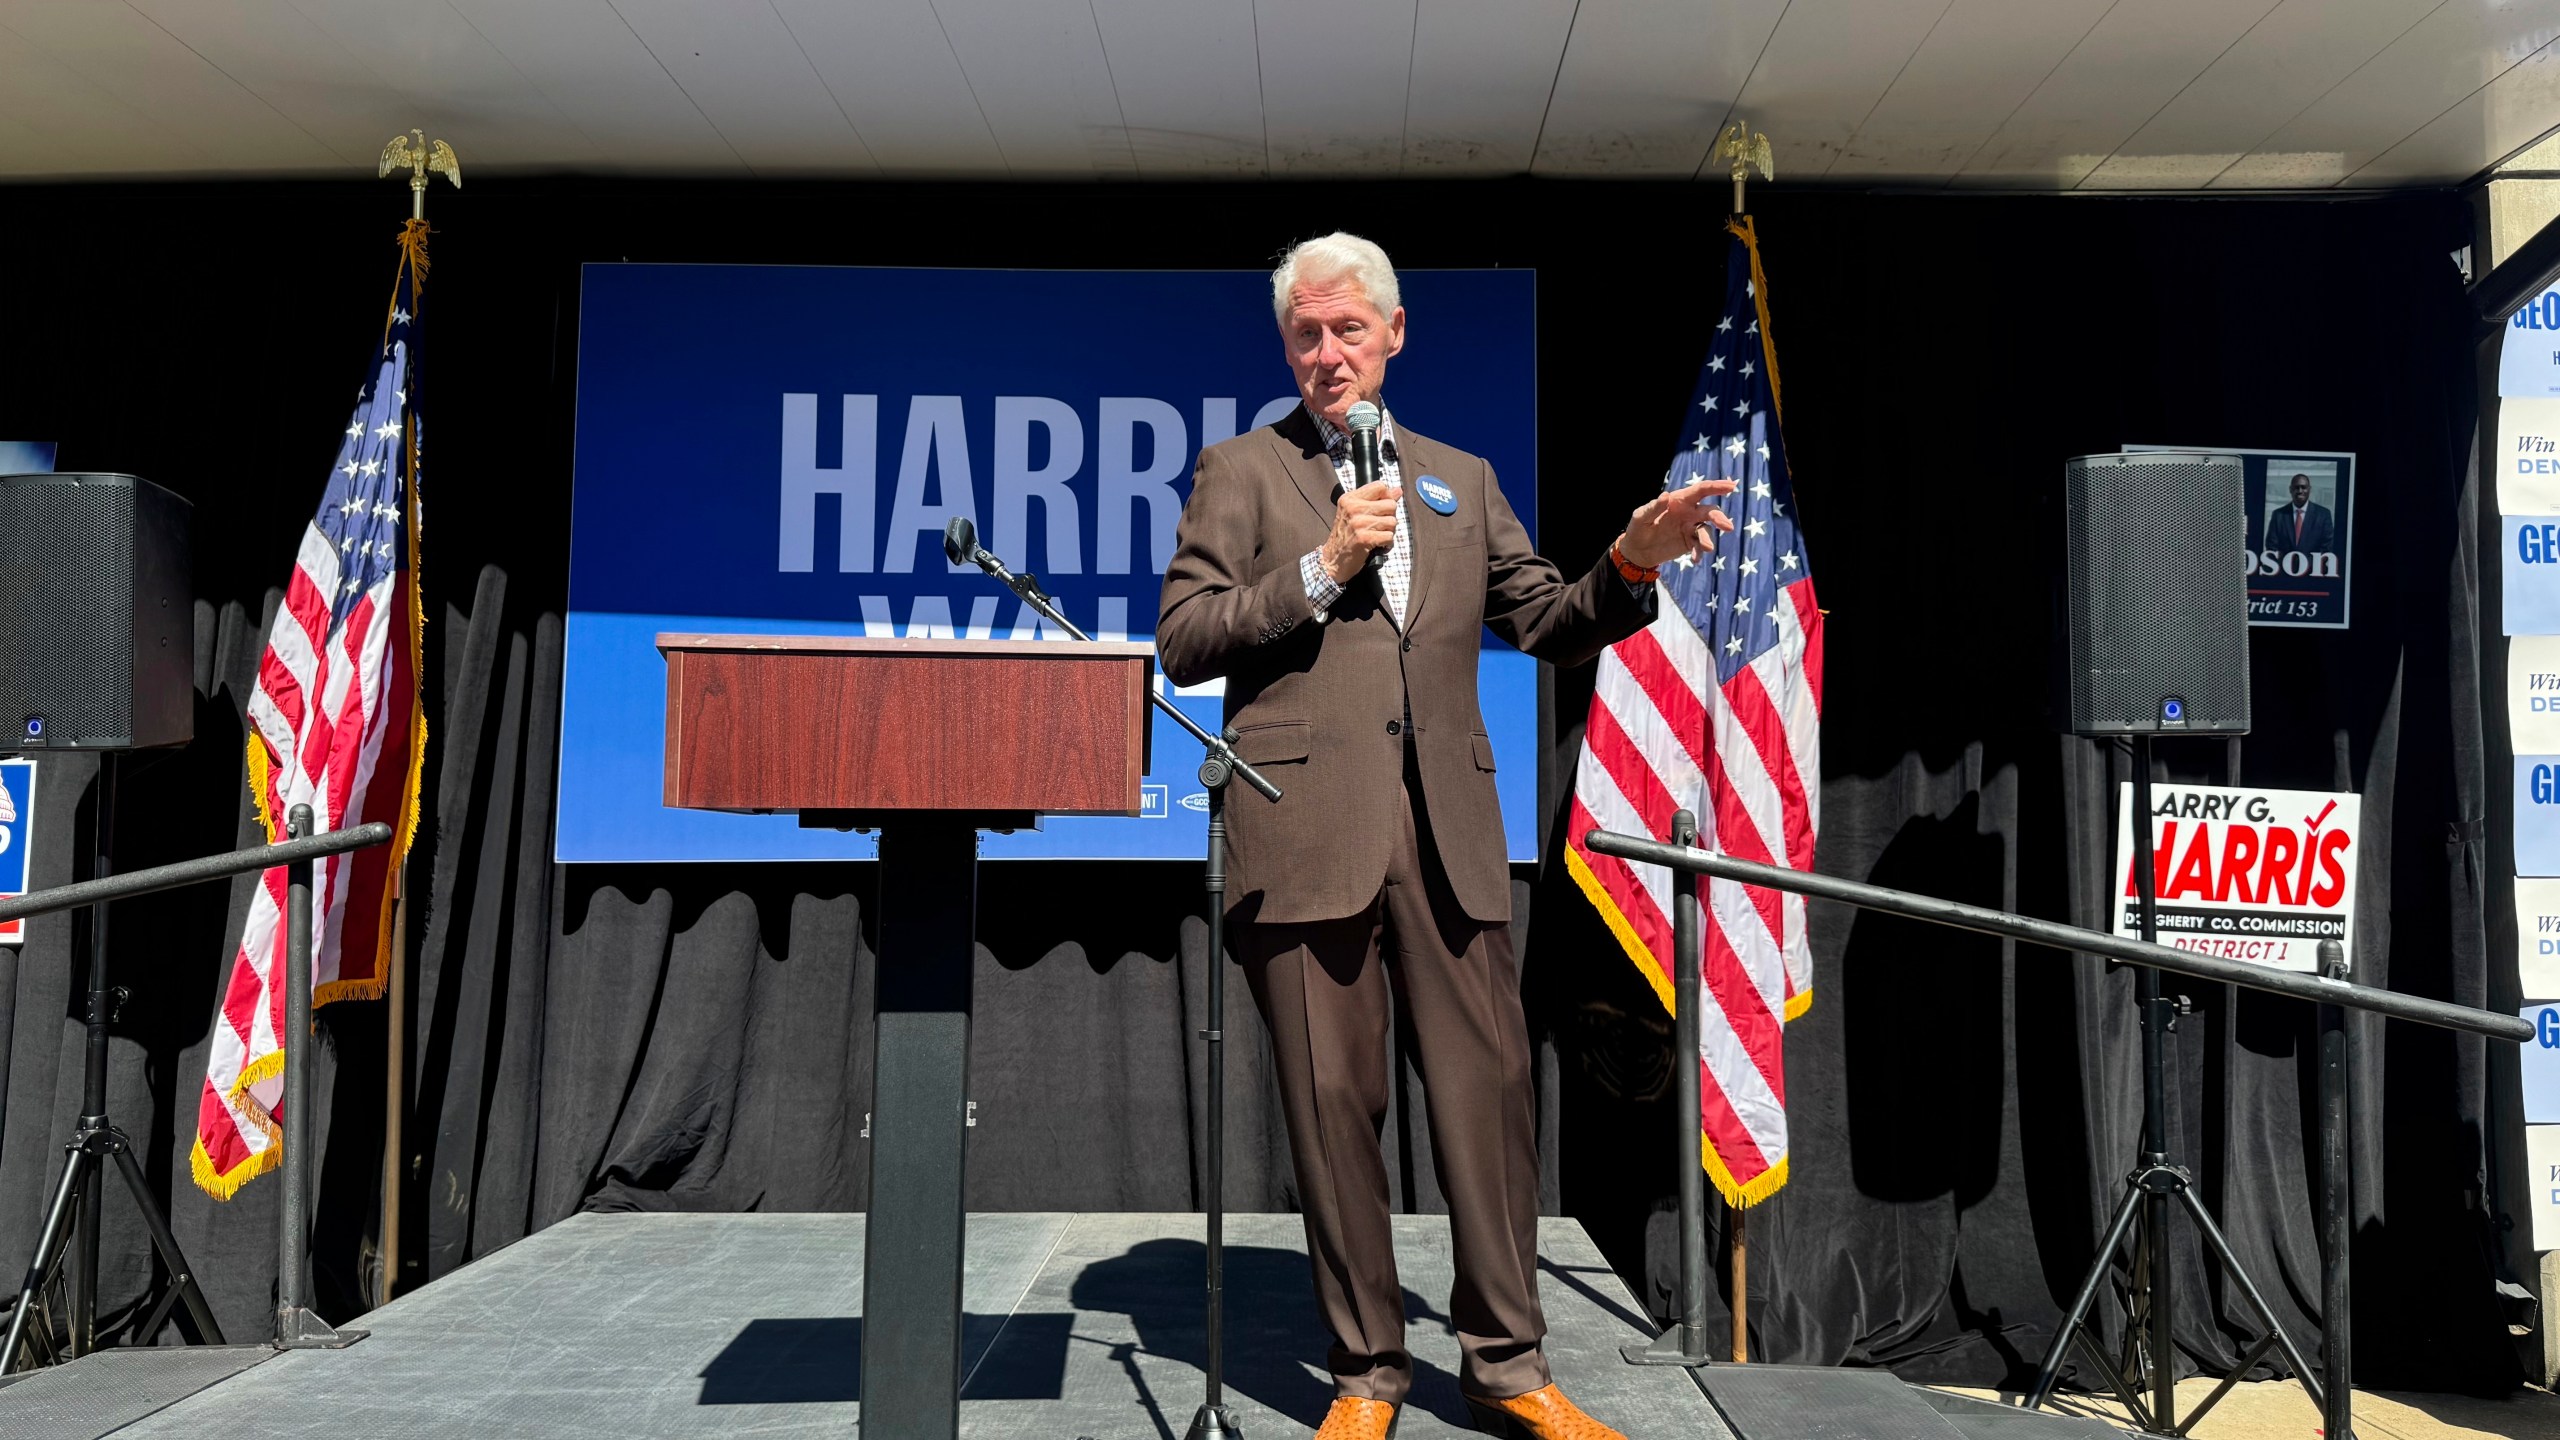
point(1364, 444)
point(1365, 465)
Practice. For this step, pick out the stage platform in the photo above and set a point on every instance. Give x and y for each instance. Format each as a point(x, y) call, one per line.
point(1077, 1325)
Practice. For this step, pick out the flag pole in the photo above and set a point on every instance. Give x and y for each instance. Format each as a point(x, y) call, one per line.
point(1738, 1257)
point(422, 158)
point(395, 1088)
point(1748, 150)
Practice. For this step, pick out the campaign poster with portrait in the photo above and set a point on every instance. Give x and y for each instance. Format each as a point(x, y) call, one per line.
point(2300, 505)
point(2244, 874)
point(17, 833)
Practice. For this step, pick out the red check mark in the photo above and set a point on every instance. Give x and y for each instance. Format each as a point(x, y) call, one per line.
point(2313, 821)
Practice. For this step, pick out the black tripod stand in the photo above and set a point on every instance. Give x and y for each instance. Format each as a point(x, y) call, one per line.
point(2149, 1349)
point(69, 1245)
point(1213, 1421)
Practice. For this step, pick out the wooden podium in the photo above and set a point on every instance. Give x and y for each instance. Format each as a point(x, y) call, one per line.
point(928, 742)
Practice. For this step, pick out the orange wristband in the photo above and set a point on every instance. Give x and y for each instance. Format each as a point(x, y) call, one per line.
point(1628, 570)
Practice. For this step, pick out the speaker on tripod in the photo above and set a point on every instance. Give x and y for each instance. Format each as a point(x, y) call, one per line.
point(96, 654)
point(2155, 641)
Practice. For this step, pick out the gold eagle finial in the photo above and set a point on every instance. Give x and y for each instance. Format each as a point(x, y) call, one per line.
point(1748, 150)
point(420, 158)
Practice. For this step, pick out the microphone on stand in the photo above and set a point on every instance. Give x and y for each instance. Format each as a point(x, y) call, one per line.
point(960, 545)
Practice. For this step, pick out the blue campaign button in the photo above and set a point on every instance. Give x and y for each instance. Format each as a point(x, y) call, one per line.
point(1437, 494)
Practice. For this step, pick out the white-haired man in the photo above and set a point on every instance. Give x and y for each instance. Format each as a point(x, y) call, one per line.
point(1385, 865)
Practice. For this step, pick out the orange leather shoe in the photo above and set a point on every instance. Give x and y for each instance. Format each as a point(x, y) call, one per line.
point(1353, 1418)
point(1542, 1414)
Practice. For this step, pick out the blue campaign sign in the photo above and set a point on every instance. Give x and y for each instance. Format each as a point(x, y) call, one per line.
point(2540, 1062)
point(2530, 578)
point(17, 835)
point(2537, 811)
point(775, 449)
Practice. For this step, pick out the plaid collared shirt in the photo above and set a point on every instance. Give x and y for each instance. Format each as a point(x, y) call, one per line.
point(1395, 572)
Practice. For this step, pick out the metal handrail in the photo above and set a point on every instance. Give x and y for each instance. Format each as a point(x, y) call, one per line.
point(2318, 989)
point(296, 1326)
point(190, 872)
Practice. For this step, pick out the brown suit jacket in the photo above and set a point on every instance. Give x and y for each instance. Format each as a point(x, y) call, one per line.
point(1320, 707)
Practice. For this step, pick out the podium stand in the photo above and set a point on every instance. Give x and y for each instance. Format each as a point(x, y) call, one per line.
point(927, 742)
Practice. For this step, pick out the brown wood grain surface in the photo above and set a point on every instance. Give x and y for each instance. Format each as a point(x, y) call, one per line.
point(779, 723)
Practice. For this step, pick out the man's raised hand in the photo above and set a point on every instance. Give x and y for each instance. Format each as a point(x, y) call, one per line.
point(1676, 523)
point(1364, 522)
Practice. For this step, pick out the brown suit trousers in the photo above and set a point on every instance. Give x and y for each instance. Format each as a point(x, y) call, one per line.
point(1383, 867)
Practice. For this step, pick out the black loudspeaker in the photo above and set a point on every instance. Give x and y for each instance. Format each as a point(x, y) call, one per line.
point(97, 614)
point(2155, 624)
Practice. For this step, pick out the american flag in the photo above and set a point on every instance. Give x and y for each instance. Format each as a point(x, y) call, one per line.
point(335, 724)
point(1716, 708)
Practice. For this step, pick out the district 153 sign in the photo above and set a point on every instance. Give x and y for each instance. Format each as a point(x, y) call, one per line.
point(17, 833)
point(2301, 510)
point(2256, 875)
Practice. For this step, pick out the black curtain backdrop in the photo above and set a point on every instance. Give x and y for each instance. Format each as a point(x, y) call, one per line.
point(697, 1037)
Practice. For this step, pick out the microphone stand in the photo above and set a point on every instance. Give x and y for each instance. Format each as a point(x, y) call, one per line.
point(1213, 1420)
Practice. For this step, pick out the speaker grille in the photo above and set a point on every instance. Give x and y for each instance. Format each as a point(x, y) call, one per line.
point(2158, 622)
point(94, 613)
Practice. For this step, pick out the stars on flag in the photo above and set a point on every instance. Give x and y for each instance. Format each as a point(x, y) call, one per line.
point(1715, 362)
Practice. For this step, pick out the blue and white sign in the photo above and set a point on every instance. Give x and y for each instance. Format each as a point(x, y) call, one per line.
point(2540, 1062)
point(2530, 578)
point(774, 449)
point(2542, 1171)
point(2537, 810)
point(2538, 938)
point(17, 837)
point(2529, 361)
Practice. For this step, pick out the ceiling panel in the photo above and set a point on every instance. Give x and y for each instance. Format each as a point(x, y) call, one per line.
point(739, 63)
point(591, 67)
point(2505, 116)
point(431, 61)
point(2134, 61)
point(1189, 81)
point(1334, 78)
point(1979, 63)
point(2035, 94)
point(1038, 71)
point(1482, 71)
point(204, 118)
point(1823, 71)
point(1646, 84)
point(889, 66)
point(2429, 70)
point(277, 53)
point(53, 122)
point(2281, 67)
